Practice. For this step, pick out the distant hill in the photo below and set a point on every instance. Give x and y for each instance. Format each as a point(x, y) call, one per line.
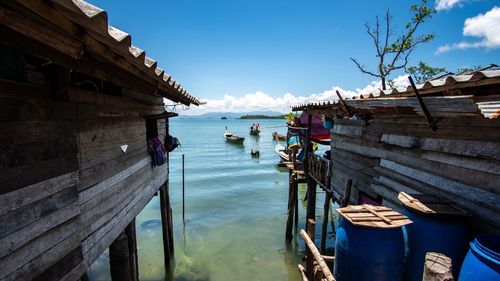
point(233, 115)
point(282, 116)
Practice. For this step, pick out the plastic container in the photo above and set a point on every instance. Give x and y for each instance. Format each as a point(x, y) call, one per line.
point(483, 260)
point(368, 253)
point(433, 234)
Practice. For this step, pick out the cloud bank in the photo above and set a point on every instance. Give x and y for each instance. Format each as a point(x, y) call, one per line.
point(260, 101)
point(447, 4)
point(485, 26)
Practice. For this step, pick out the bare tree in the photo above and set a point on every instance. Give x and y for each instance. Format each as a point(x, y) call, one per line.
point(394, 54)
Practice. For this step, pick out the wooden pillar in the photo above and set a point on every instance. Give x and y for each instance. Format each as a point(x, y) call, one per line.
point(311, 184)
point(119, 260)
point(166, 230)
point(310, 258)
point(437, 267)
point(291, 208)
point(132, 247)
point(296, 201)
point(324, 227)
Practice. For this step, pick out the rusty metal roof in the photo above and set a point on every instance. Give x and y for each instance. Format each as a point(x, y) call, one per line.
point(441, 95)
point(94, 22)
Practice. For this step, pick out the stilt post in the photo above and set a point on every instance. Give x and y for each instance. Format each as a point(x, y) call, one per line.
point(324, 226)
point(132, 247)
point(119, 261)
point(310, 258)
point(291, 208)
point(166, 230)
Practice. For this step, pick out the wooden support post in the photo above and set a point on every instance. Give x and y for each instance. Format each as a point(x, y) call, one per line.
point(291, 208)
point(310, 259)
point(311, 200)
point(437, 267)
point(119, 261)
point(347, 194)
point(132, 247)
point(296, 202)
point(166, 230)
point(326, 209)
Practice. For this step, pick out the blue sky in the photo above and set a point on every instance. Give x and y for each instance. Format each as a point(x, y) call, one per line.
point(240, 55)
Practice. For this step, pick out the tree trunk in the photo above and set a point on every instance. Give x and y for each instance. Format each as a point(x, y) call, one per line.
point(383, 83)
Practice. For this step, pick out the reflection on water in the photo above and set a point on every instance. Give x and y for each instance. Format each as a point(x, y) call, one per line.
point(235, 209)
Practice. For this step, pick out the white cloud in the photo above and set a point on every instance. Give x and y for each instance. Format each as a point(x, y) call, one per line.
point(260, 101)
point(485, 26)
point(447, 4)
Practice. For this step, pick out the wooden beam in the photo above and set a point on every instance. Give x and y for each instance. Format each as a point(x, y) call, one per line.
point(317, 256)
point(324, 226)
point(166, 232)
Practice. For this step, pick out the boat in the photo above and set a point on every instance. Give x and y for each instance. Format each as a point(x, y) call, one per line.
point(254, 132)
point(281, 151)
point(223, 118)
point(232, 137)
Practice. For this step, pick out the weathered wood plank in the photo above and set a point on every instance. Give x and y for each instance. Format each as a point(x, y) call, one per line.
point(28, 214)
point(412, 158)
point(471, 193)
point(39, 264)
point(93, 191)
point(114, 227)
point(22, 197)
point(63, 267)
point(19, 238)
point(39, 246)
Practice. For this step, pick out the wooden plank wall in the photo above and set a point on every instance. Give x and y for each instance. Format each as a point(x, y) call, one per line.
point(460, 162)
point(68, 190)
point(39, 209)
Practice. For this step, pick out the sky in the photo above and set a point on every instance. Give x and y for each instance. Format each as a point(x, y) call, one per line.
point(241, 56)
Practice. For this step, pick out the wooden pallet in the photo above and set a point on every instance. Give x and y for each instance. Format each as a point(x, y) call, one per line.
point(373, 216)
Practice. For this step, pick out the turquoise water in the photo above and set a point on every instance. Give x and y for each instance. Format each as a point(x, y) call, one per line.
point(235, 209)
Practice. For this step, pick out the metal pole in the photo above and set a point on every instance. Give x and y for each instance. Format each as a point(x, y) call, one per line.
point(183, 202)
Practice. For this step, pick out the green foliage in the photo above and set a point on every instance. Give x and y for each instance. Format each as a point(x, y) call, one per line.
point(290, 116)
point(393, 54)
point(423, 72)
point(467, 69)
point(262, 117)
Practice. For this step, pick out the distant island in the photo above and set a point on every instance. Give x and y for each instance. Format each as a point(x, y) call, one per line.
point(223, 118)
point(262, 117)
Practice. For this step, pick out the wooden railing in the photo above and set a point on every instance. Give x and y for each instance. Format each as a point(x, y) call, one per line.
point(319, 169)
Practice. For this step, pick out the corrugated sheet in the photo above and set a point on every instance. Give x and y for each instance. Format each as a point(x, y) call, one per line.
point(450, 105)
point(95, 22)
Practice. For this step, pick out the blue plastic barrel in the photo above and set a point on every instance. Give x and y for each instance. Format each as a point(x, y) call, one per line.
point(433, 234)
point(367, 253)
point(483, 260)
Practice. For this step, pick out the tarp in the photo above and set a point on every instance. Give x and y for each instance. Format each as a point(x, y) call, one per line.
point(319, 133)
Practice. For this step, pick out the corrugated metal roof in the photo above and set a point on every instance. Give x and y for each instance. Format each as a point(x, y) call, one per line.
point(449, 105)
point(94, 21)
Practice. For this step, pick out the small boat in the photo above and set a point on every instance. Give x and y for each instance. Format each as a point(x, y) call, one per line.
point(232, 137)
point(281, 151)
point(254, 132)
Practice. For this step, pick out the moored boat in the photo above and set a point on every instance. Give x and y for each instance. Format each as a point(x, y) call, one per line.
point(254, 132)
point(232, 137)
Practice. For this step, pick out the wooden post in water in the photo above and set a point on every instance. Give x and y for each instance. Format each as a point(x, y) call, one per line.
point(311, 184)
point(119, 260)
point(311, 224)
point(132, 247)
point(290, 210)
point(324, 226)
point(166, 230)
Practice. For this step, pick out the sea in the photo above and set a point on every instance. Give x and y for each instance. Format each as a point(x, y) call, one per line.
point(235, 209)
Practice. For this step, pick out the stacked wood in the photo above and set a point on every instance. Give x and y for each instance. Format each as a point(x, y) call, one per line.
point(437, 267)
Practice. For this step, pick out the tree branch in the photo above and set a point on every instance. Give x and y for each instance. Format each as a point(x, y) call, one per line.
point(363, 69)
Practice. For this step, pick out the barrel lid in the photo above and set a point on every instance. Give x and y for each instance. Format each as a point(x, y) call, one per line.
point(429, 205)
point(373, 216)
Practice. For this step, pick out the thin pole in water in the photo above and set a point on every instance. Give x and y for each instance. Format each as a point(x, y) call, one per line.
point(183, 202)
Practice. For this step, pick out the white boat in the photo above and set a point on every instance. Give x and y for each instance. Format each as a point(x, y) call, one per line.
point(281, 151)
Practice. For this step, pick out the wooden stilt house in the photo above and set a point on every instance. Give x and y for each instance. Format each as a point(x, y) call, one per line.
point(77, 105)
point(443, 142)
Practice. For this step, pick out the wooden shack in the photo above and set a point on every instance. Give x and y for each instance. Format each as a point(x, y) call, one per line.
point(445, 142)
point(77, 104)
